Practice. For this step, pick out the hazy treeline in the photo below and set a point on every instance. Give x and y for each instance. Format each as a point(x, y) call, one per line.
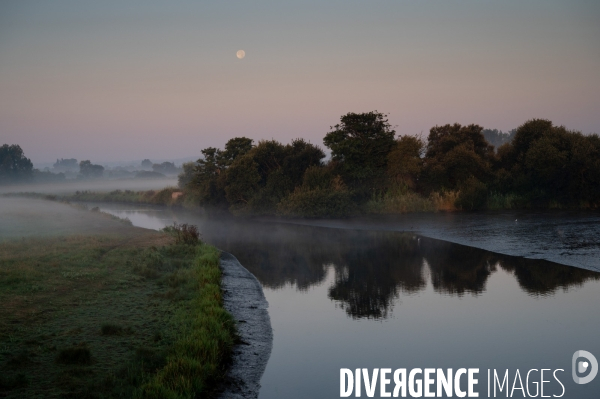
point(371, 170)
point(15, 167)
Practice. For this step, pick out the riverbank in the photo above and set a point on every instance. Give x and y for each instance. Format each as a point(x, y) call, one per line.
point(243, 297)
point(391, 203)
point(94, 307)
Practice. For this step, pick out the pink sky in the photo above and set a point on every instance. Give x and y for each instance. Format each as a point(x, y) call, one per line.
point(112, 83)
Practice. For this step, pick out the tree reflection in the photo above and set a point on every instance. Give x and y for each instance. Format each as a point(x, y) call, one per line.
point(372, 269)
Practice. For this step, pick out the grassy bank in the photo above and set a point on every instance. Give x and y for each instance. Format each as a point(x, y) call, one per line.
point(126, 312)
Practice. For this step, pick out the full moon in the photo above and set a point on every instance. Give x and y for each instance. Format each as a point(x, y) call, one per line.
point(240, 54)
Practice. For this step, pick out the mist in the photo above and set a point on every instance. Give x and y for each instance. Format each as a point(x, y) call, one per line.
point(69, 187)
point(24, 217)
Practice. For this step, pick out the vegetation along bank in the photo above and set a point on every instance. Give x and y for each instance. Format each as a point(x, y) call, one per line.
point(372, 171)
point(94, 307)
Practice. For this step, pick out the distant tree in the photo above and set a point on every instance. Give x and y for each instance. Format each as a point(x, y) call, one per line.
point(299, 156)
point(89, 170)
point(454, 154)
point(63, 165)
point(14, 166)
point(147, 164)
point(207, 181)
point(165, 168)
point(146, 174)
point(360, 145)
point(405, 161)
point(243, 181)
point(234, 148)
point(187, 174)
point(547, 163)
point(47, 176)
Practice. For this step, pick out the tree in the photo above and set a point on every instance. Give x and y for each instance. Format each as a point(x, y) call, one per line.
point(234, 148)
point(89, 170)
point(207, 179)
point(14, 166)
point(165, 168)
point(64, 165)
point(187, 174)
point(279, 169)
point(405, 162)
point(146, 164)
point(360, 145)
point(206, 182)
point(550, 164)
point(242, 182)
point(454, 154)
point(299, 156)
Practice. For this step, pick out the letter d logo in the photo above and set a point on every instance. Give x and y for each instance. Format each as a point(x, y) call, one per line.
point(583, 366)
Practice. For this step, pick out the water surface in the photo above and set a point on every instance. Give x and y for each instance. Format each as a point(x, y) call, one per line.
point(350, 298)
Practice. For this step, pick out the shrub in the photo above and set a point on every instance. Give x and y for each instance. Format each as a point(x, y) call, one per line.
point(184, 233)
point(317, 203)
point(399, 201)
point(444, 200)
point(472, 195)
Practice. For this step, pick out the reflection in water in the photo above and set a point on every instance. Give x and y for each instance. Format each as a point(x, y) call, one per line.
point(407, 300)
point(373, 268)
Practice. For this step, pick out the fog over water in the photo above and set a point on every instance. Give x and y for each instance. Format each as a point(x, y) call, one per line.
point(358, 296)
point(361, 295)
point(25, 217)
point(567, 237)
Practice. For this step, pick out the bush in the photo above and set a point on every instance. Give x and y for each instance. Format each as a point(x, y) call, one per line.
point(472, 195)
point(399, 201)
point(444, 200)
point(317, 203)
point(187, 234)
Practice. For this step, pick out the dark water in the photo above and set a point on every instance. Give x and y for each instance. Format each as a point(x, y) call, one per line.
point(348, 298)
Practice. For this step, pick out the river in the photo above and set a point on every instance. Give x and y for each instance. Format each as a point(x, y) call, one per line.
point(487, 291)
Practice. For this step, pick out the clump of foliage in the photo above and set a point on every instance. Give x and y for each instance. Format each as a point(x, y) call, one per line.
point(187, 234)
point(321, 194)
point(88, 170)
point(456, 167)
point(14, 166)
point(360, 145)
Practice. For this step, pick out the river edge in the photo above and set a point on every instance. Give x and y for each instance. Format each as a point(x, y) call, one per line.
point(244, 299)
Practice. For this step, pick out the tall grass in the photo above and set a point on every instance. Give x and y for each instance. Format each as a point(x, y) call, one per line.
point(205, 337)
point(406, 201)
point(497, 201)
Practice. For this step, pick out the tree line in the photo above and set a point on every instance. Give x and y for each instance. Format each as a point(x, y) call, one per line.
point(538, 165)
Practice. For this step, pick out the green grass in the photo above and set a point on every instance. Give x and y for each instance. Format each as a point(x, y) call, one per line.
point(125, 313)
point(206, 338)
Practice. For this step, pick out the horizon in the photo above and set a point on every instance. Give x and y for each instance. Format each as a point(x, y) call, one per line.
point(163, 81)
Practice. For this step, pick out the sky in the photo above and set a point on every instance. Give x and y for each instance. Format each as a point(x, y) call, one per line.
point(115, 81)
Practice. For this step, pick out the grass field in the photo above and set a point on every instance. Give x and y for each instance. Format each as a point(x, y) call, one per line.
point(113, 311)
